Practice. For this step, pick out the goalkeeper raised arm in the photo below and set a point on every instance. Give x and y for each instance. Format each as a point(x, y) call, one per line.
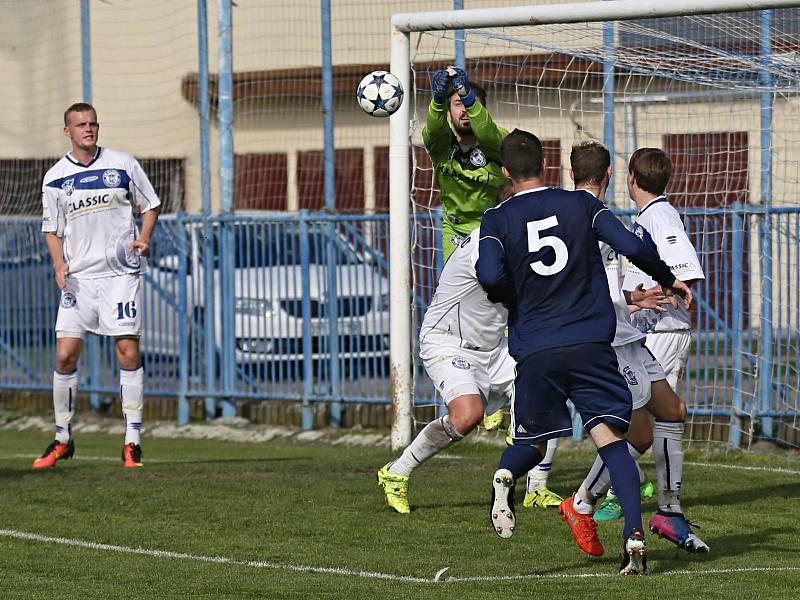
point(465, 152)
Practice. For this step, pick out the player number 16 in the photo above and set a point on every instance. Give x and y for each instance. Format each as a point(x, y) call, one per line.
point(126, 310)
point(536, 243)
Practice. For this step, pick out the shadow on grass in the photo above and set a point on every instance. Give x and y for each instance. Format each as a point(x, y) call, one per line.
point(742, 496)
point(733, 545)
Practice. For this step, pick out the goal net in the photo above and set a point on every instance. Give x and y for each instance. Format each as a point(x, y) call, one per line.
point(719, 93)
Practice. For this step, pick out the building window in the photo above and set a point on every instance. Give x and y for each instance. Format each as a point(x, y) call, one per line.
point(261, 181)
point(349, 173)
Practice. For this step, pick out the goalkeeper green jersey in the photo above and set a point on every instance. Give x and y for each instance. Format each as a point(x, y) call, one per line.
point(467, 176)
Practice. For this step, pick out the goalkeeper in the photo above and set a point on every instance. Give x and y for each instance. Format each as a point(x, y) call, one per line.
point(465, 153)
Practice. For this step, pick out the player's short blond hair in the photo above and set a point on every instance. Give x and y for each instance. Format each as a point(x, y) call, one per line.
point(77, 107)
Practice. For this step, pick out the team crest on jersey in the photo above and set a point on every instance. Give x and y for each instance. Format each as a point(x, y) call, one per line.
point(630, 376)
point(68, 186)
point(639, 231)
point(111, 178)
point(68, 300)
point(477, 157)
point(459, 362)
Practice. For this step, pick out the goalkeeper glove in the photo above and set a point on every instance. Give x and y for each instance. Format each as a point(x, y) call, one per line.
point(461, 85)
point(440, 85)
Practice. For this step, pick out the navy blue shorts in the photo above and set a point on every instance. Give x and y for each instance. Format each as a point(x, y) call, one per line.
point(587, 374)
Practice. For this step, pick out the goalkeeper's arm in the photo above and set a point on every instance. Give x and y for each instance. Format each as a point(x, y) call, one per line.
point(437, 133)
point(487, 133)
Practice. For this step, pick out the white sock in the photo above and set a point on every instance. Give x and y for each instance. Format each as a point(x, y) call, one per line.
point(598, 481)
point(583, 502)
point(668, 455)
point(537, 476)
point(434, 437)
point(65, 391)
point(131, 392)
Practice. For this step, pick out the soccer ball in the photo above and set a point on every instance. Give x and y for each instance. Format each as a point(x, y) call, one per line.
point(380, 94)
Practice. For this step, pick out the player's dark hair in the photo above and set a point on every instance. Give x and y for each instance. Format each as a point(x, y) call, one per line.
point(505, 191)
point(521, 153)
point(480, 93)
point(77, 107)
point(589, 162)
point(651, 168)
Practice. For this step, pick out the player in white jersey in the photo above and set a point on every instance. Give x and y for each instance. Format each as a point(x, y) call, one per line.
point(465, 353)
point(652, 395)
point(90, 200)
point(668, 334)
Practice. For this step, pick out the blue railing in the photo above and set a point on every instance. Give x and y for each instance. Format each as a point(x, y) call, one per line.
point(285, 348)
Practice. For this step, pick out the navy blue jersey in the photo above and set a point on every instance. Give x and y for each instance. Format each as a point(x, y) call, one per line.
point(539, 255)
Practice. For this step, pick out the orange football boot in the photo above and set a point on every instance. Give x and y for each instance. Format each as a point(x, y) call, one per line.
point(584, 528)
point(55, 452)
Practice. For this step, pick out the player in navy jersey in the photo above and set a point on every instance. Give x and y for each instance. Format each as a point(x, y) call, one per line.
point(90, 199)
point(539, 255)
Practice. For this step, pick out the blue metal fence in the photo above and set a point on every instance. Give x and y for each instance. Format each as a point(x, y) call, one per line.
point(284, 344)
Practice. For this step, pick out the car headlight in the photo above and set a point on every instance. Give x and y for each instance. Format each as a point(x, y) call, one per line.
point(254, 307)
point(384, 302)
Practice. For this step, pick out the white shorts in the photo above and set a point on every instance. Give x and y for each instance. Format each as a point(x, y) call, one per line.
point(671, 349)
point(640, 369)
point(105, 306)
point(457, 372)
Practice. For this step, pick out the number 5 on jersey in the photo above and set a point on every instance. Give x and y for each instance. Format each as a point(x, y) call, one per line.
point(536, 243)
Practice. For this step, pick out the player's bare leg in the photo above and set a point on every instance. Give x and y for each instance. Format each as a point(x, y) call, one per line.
point(131, 389)
point(464, 414)
point(65, 390)
point(598, 480)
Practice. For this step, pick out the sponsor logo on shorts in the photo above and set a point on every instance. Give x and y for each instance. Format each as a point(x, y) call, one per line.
point(126, 324)
point(456, 240)
point(441, 385)
point(630, 376)
point(521, 429)
point(111, 178)
point(68, 300)
point(459, 362)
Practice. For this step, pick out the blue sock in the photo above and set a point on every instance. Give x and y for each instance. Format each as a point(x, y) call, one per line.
point(521, 459)
point(625, 479)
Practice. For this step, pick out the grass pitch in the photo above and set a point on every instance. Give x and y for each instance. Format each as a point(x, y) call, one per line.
point(209, 519)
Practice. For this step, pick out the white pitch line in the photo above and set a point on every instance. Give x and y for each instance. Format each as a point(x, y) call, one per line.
point(222, 560)
point(744, 468)
point(442, 457)
point(591, 575)
point(93, 458)
point(258, 564)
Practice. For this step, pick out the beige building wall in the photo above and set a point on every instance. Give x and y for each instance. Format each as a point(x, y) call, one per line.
point(141, 51)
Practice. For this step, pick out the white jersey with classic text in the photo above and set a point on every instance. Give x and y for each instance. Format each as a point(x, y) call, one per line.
point(92, 208)
point(625, 332)
point(460, 313)
point(664, 225)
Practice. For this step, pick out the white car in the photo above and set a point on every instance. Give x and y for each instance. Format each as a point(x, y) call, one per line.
point(267, 299)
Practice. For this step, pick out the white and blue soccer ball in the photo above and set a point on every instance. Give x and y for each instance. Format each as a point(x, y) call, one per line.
point(380, 94)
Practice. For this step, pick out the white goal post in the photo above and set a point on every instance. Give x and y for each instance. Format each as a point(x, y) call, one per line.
point(400, 137)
